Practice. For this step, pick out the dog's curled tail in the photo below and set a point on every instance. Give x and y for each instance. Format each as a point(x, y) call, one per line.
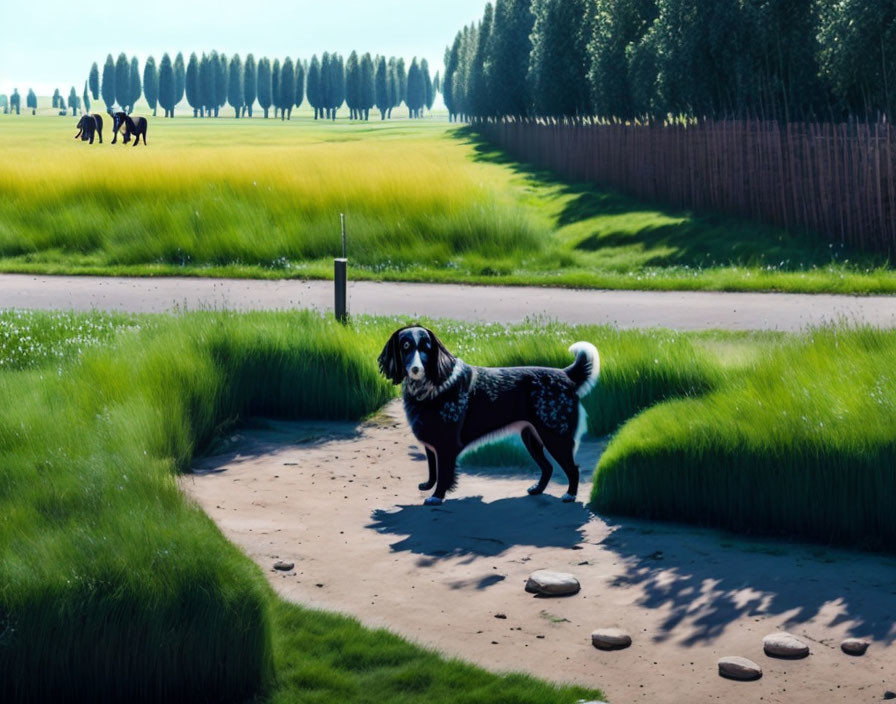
point(585, 370)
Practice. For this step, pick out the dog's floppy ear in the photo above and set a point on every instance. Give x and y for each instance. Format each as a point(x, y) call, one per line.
point(441, 361)
point(390, 360)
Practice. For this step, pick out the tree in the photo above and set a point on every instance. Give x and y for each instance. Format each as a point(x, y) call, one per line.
point(264, 84)
point(617, 25)
point(353, 85)
point(368, 88)
point(107, 87)
point(393, 85)
point(858, 54)
point(300, 83)
point(416, 96)
point(31, 101)
point(56, 100)
point(478, 91)
point(314, 89)
point(180, 80)
point(428, 93)
point(206, 85)
point(507, 57)
point(381, 85)
point(287, 91)
point(337, 84)
point(250, 84)
point(191, 84)
point(93, 80)
point(436, 84)
point(167, 86)
point(151, 84)
point(452, 65)
point(275, 86)
point(74, 102)
point(219, 69)
point(558, 66)
point(135, 86)
point(15, 101)
point(86, 98)
point(235, 79)
point(401, 76)
point(122, 81)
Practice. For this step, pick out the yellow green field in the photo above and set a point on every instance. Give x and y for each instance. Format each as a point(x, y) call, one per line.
point(424, 200)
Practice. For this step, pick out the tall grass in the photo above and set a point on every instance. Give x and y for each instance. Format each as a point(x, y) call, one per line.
point(113, 586)
point(801, 443)
point(424, 201)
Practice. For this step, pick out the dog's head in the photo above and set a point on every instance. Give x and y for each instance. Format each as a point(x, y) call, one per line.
point(415, 353)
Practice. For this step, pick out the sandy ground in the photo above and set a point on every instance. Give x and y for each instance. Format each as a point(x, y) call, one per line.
point(680, 310)
point(341, 502)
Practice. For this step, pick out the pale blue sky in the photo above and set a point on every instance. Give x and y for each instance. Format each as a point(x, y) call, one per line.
point(49, 43)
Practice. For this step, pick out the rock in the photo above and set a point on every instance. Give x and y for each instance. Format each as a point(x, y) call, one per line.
point(284, 566)
point(854, 646)
point(500, 615)
point(550, 583)
point(738, 668)
point(784, 645)
point(610, 639)
point(889, 695)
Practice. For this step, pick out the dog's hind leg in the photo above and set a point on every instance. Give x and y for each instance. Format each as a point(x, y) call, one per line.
point(562, 449)
point(536, 449)
point(433, 471)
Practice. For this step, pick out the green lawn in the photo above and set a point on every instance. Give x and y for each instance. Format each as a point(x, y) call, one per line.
point(424, 201)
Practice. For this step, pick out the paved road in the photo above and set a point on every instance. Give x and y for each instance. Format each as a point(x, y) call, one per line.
point(627, 309)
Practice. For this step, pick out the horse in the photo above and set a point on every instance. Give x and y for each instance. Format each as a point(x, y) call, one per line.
point(88, 125)
point(132, 126)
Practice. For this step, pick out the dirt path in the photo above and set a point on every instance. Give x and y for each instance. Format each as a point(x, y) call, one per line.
point(341, 502)
point(626, 309)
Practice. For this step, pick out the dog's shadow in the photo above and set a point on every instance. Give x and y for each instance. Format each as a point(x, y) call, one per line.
point(470, 526)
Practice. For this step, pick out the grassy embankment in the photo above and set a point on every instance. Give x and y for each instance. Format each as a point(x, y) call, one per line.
point(111, 583)
point(424, 202)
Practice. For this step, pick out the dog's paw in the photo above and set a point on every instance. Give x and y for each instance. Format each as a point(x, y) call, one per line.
point(425, 486)
point(535, 490)
point(432, 501)
point(568, 498)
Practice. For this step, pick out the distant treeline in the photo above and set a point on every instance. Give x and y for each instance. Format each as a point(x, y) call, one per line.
point(214, 80)
point(651, 59)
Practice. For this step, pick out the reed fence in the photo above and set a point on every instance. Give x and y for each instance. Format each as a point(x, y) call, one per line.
point(832, 179)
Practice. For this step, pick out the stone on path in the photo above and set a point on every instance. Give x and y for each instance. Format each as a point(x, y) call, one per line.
point(738, 668)
point(784, 645)
point(854, 646)
point(284, 566)
point(550, 583)
point(610, 639)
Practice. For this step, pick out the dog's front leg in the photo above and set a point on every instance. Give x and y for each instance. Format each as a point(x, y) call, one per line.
point(447, 461)
point(433, 471)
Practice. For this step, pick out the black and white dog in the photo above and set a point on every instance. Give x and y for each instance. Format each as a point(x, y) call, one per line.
point(451, 405)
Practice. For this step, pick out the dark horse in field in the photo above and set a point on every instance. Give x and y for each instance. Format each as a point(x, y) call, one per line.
point(89, 125)
point(135, 126)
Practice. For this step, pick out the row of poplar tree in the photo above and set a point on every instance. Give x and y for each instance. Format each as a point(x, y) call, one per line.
point(627, 59)
point(14, 102)
point(214, 80)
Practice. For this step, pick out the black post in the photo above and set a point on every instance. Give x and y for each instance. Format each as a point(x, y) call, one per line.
point(340, 278)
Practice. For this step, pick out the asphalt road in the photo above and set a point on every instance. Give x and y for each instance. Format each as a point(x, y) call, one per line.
point(625, 309)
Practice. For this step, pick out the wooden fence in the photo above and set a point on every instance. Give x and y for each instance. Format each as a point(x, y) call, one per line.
point(836, 180)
